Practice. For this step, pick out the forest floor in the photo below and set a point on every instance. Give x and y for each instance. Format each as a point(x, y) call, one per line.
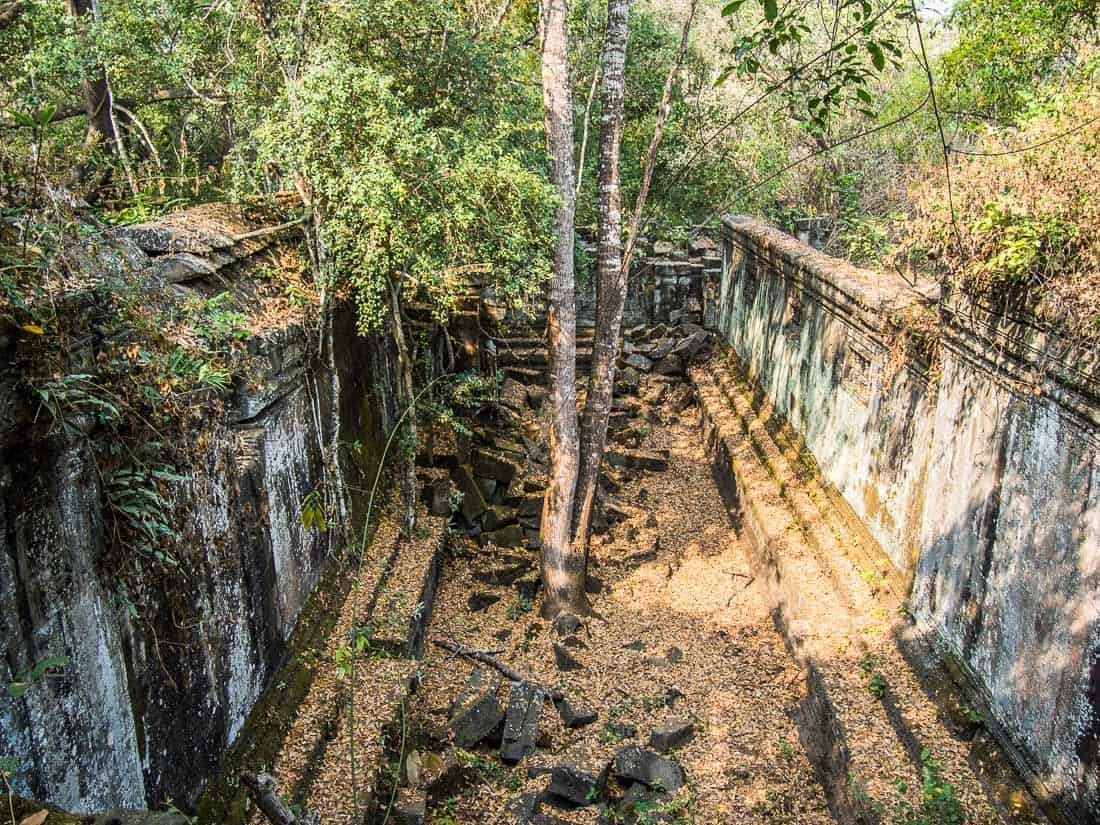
point(682, 632)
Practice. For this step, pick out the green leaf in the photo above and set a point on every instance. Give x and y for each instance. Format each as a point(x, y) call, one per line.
point(878, 59)
point(732, 7)
point(771, 10)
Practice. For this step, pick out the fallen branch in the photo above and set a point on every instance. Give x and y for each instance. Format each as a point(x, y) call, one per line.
point(486, 659)
point(261, 787)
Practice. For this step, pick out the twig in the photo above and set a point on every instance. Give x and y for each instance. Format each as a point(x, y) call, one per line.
point(486, 659)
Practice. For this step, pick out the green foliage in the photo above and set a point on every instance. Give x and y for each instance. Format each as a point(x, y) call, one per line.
point(1005, 47)
point(520, 607)
point(864, 41)
point(312, 512)
point(413, 190)
point(142, 515)
point(939, 805)
point(872, 675)
point(41, 670)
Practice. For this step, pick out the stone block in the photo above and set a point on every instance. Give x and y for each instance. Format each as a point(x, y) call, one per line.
point(521, 723)
point(633, 763)
point(488, 464)
point(674, 735)
point(477, 713)
point(577, 784)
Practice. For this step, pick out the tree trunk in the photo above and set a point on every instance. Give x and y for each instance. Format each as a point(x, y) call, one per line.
point(407, 439)
point(562, 567)
point(610, 277)
point(655, 142)
point(98, 105)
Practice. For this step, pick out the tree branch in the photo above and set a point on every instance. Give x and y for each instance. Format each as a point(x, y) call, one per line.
point(160, 96)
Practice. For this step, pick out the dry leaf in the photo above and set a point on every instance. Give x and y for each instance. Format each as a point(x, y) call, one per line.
point(35, 819)
point(33, 329)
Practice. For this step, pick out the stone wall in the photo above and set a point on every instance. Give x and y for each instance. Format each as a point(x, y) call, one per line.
point(164, 667)
point(978, 479)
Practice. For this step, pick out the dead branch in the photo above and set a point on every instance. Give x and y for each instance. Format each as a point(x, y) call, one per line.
point(261, 787)
point(486, 659)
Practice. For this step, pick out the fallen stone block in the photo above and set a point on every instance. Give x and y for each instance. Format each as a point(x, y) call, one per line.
point(627, 381)
point(513, 394)
point(649, 768)
point(638, 362)
point(510, 536)
point(691, 346)
point(674, 735)
point(577, 785)
point(478, 602)
point(669, 365)
point(658, 332)
point(438, 495)
point(477, 713)
point(498, 516)
point(521, 722)
point(473, 502)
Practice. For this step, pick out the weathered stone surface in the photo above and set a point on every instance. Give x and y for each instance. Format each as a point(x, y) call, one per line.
point(649, 768)
point(655, 460)
point(573, 717)
point(638, 362)
point(669, 365)
point(524, 807)
point(577, 784)
point(473, 502)
point(673, 735)
point(522, 721)
point(565, 660)
point(498, 516)
point(477, 712)
point(510, 536)
point(513, 394)
point(691, 346)
point(496, 466)
point(627, 381)
point(531, 506)
point(536, 396)
point(642, 804)
point(439, 494)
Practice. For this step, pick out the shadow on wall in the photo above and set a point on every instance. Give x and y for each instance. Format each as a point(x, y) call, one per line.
point(984, 487)
point(1009, 575)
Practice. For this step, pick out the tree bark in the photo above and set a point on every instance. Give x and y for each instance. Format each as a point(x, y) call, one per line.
point(562, 568)
point(96, 91)
point(655, 142)
point(610, 274)
point(405, 396)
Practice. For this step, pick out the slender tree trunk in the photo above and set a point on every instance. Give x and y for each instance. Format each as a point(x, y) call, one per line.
point(655, 142)
point(562, 568)
point(611, 277)
point(405, 396)
point(98, 105)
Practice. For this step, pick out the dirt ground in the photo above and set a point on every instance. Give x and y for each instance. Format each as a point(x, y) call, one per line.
point(683, 631)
